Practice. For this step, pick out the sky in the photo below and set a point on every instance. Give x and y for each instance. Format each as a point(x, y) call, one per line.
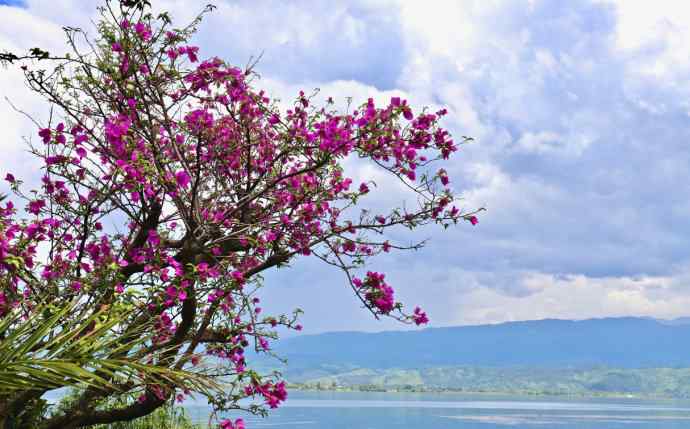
point(580, 112)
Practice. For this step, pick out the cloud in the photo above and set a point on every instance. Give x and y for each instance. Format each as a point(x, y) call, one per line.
point(20, 31)
point(307, 40)
point(564, 159)
point(548, 142)
point(579, 112)
point(573, 297)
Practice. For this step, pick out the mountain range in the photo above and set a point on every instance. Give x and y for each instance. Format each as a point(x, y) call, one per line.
point(610, 356)
point(626, 342)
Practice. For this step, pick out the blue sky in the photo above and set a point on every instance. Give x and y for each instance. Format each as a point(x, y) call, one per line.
point(580, 113)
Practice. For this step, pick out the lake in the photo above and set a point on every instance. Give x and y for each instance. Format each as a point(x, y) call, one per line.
point(364, 410)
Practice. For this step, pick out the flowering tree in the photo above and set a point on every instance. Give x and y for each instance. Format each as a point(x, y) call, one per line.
point(170, 185)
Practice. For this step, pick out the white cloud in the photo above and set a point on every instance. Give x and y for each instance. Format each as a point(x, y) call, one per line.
point(20, 31)
point(549, 142)
point(580, 114)
point(654, 37)
point(643, 24)
point(573, 297)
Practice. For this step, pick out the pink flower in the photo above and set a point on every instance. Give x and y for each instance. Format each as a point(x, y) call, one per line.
point(10, 178)
point(143, 30)
point(443, 175)
point(229, 424)
point(45, 135)
point(36, 206)
point(473, 220)
point(238, 277)
point(419, 317)
point(153, 238)
point(182, 178)
point(191, 52)
point(377, 292)
point(407, 113)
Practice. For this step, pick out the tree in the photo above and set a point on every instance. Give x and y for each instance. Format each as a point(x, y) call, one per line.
point(170, 185)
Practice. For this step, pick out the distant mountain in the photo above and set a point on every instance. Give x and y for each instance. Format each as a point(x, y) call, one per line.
point(678, 321)
point(649, 382)
point(610, 342)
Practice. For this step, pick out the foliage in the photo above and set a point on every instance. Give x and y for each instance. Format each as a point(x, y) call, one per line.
point(33, 359)
point(642, 382)
point(169, 416)
point(169, 186)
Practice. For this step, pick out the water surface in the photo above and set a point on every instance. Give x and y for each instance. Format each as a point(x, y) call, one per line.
point(361, 410)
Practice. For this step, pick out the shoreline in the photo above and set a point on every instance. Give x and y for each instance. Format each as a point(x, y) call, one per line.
point(440, 390)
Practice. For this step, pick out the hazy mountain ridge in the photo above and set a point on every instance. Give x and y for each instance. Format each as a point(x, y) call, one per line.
point(652, 382)
point(611, 355)
point(626, 342)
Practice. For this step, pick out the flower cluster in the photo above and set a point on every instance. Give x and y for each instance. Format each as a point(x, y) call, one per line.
point(273, 393)
point(376, 291)
point(229, 424)
point(419, 317)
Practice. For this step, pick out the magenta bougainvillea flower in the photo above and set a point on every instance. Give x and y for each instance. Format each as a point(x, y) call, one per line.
point(182, 178)
point(229, 424)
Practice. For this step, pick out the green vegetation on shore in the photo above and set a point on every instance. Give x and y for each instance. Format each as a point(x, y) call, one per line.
point(648, 382)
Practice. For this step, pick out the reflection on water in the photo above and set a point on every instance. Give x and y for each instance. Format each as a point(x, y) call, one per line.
point(516, 419)
point(355, 410)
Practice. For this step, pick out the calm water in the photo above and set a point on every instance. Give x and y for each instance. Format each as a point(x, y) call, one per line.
point(354, 410)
